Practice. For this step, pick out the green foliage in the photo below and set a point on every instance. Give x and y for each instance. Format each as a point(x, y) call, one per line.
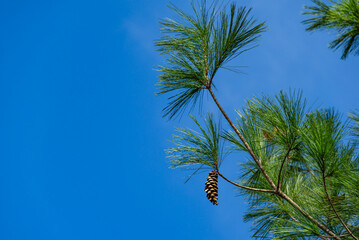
point(315, 145)
point(301, 174)
point(197, 46)
point(342, 17)
point(197, 149)
point(272, 127)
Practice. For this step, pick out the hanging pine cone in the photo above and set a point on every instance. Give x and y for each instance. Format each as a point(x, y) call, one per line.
point(211, 187)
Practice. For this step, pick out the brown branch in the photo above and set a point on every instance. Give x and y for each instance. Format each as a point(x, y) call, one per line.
point(334, 210)
point(243, 140)
point(210, 80)
point(280, 178)
point(279, 183)
point(325, 237)
point(288, 199)
point(285, 169)
point(242, 186)
point(295, 205)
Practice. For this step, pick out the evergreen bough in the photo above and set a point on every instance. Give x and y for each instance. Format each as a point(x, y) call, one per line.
point(341, 17)
point(301, 173)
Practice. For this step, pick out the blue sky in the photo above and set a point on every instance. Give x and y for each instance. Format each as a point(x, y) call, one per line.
point(81, 132)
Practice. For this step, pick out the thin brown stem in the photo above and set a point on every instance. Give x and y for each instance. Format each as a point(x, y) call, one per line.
point(279, 183)
point(285, 169)
point(245, 187)
point(334, 210)
point(293, 218)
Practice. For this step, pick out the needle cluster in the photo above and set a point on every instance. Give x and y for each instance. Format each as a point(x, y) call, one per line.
point(342, 17)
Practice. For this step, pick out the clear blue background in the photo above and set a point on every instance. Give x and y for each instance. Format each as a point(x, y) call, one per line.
point(81, 133)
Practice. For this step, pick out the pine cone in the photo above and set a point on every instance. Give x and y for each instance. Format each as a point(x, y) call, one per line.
point(211, 187)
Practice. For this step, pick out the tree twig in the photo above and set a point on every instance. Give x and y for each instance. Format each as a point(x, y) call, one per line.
point(242, 186)
point(333, 208)
point(279, 183)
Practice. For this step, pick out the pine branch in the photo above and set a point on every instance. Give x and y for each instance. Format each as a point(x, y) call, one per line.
point(242, 139)
point(280, 179)
point(242, 186)
point(279, 193)
point(333, 208)
point(343, 17)
point(192, 148)
point(198, 46)
point(296, 206)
